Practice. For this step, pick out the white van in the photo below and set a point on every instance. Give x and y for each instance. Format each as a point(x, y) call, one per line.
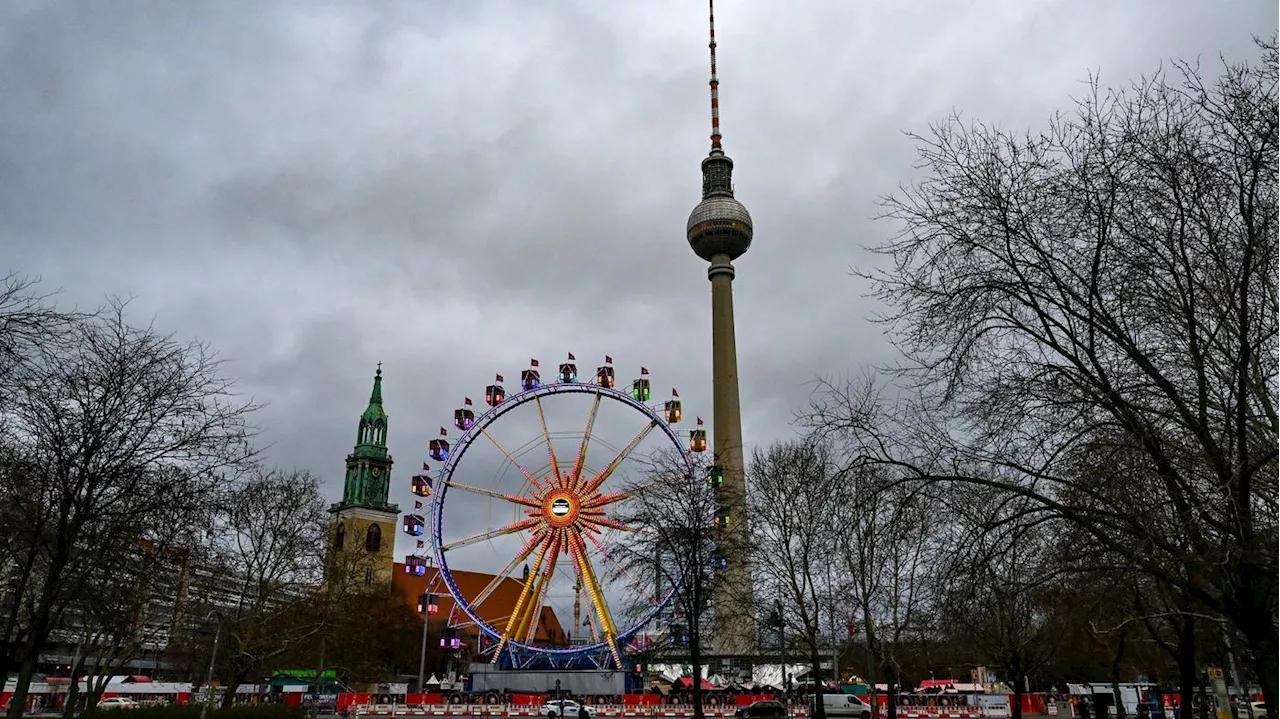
point(845, 705)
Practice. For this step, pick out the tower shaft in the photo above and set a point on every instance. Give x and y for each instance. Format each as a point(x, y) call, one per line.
point(734, 629)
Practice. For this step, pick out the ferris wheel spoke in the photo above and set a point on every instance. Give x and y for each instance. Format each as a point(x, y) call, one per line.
point(595, 525)
point(614, 497)
point(576, 479)
point(524, 595)
point(609, 469)
point(593, 519)
point(498, 578)
point(579, 551)
point(534, 611)
point(510, 458)
point(513, 498)
point(551, 450)
point(500, 531)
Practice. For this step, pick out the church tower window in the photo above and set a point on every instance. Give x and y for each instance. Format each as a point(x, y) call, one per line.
point(373, 538)
point(339, 536)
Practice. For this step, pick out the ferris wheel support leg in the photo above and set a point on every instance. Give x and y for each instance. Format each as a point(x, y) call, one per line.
point(524, 596)
point(529, 623)
point(579, 552)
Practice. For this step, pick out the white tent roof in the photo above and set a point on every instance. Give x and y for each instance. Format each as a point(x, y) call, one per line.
point(774, 675)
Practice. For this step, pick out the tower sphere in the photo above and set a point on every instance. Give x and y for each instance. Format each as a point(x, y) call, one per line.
point(719, 225)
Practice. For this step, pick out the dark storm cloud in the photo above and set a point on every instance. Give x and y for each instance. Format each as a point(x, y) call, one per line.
point(452, 188)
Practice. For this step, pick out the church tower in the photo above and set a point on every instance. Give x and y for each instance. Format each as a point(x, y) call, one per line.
point(362, 527)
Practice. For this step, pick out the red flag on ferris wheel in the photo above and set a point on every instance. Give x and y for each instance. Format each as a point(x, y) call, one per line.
point(674, 393)
point(444, 432)
point(421, 544)
point(699, 421)
point(425, 467)
point(571, 357)
point(608, 359)
point(644, 370)
point(466, 401)
point(533, 363)
point(498, 378)
point(417, 504)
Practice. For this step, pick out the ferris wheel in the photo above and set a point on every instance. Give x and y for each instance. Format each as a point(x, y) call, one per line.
point(525, 508)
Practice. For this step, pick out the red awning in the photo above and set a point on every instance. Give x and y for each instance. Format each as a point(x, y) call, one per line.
point(687, 682)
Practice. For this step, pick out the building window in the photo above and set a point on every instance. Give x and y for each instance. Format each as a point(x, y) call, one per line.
point(373, 538)
point(339, 536)
point(368, 576)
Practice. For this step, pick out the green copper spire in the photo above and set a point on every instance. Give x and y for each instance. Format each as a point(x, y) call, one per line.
point(369, 466)
point(375, 397)
point(371, 438)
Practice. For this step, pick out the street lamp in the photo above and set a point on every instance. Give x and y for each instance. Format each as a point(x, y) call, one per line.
point(213, 656)
point(428, 606)
point(775, 620)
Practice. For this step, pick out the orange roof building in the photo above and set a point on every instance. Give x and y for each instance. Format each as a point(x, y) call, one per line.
point(495, 609)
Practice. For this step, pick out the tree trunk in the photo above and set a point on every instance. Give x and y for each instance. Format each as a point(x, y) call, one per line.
point(73, 691)
point(43, 613)
point(1265, 667)
point(891, 682)
point(229, 691)
point(1186, 667)
point(1019, 688)
point(819, 708)
point(31, 651)
point(695, 659)
point(1116, 698)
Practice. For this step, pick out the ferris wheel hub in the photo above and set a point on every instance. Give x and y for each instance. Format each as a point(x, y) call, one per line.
point(560, 508)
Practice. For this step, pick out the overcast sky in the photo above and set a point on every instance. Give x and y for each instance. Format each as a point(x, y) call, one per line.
point(453, 187)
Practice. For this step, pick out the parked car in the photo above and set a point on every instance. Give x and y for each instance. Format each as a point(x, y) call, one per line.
point(117, 703)
point(774, 710)
point(568, 709)
point(1259, 710)
point(844, 705)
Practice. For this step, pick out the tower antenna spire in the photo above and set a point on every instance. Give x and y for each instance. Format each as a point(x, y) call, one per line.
point(715, 81)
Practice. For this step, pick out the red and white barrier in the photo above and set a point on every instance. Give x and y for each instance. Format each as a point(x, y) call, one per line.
point(618, 711)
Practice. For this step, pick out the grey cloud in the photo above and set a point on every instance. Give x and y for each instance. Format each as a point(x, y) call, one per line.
point(452, 188)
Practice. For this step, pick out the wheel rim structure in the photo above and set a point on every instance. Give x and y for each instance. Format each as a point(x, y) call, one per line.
point(562, 514)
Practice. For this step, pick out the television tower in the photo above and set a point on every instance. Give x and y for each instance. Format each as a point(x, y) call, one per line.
point(719, 231)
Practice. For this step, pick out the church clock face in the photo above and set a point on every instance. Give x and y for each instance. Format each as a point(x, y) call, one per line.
point(377, 471)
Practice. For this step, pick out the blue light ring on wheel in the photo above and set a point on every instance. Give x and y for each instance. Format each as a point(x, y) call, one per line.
point(460, 449)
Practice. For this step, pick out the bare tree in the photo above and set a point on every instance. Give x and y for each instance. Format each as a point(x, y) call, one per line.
point(125, 614)
point(271, 561)
point(119, 434)
point(28, 322)
point(790, 488)
point(998, 585)
point(678, 542)
point(887, 547)
point(1106, 283)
